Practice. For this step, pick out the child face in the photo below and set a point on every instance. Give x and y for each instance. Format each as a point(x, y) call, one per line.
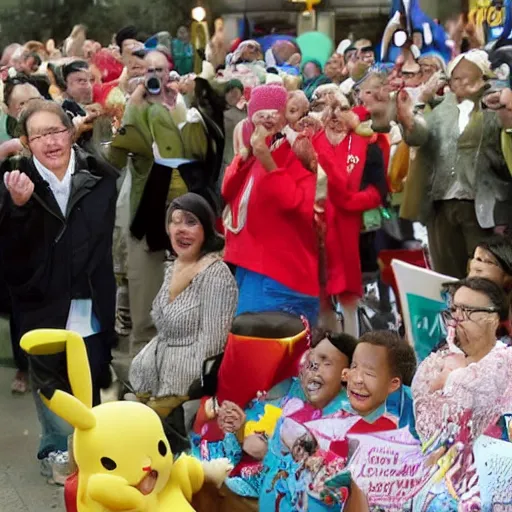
point(294, 112)
point(369, 380)
point(321, 380)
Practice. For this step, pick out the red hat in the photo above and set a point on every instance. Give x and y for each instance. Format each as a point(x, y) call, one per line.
point(267, 97)
point(235, 44)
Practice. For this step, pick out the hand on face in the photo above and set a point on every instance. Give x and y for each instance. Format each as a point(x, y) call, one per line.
point(431, 86)
point(20, 187)
point(139, 95)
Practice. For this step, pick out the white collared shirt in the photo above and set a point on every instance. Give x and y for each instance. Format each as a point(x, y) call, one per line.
point(60, 189)
point(466, 107)
point(81, 317)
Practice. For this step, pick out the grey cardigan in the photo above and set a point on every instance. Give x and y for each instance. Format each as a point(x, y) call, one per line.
point(191, 328)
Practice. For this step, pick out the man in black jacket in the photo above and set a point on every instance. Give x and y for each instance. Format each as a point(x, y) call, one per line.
point(57, 212)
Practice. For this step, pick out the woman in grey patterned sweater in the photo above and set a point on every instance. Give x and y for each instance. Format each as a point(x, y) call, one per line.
point(192, 312)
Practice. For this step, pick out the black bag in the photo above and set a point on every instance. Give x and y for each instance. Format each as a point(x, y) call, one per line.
point(175, 431)
point(207, 384)
point(391, 223)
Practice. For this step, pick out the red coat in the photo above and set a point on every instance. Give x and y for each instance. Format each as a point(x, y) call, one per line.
point(279, 239)
point(345, 205)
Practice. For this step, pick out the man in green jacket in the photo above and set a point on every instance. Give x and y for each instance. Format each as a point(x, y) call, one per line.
point(460, 146)
point(164, 148)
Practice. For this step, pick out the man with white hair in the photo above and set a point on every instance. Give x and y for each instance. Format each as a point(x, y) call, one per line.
point(460, 154)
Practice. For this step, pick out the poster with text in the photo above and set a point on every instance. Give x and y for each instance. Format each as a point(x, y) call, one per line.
point(494, 466)
point(422, 298)
point(389, 467)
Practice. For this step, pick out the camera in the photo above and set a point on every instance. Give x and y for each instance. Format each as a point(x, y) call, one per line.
point(153, 85)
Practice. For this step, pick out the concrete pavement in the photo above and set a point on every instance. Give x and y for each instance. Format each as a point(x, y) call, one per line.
point(22, 488)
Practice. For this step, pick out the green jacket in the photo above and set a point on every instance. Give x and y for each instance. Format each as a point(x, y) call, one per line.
point(472, 160)
point(174, 136)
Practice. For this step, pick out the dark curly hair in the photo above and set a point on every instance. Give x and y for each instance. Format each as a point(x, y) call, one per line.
point(401, 356)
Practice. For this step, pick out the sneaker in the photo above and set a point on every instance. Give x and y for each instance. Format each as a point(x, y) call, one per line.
point(60, 468)
point(46, 467)
point(20, 384)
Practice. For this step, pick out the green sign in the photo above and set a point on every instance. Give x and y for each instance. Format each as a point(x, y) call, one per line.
point(428, 329)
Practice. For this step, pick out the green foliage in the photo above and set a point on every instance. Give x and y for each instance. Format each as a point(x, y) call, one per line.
point(23, 20)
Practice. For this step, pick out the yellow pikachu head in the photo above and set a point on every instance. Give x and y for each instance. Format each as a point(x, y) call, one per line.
point(122, 439)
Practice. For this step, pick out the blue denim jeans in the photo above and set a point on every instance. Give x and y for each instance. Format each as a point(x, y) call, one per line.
point(55, 431)
point(259, 294)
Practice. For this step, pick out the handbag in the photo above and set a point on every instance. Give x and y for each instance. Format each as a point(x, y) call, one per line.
point(385, 218)
point(391, 223)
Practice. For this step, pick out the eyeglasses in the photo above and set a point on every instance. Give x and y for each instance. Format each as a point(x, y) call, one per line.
point(44, 137)
point(461, 313)
point(155, 70)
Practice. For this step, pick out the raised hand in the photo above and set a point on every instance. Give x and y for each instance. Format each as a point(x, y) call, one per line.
point(430, 88)
point(19, 186)
point(405, 109)
point(10, 148)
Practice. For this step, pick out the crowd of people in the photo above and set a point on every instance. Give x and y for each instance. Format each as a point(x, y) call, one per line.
point(223, 209)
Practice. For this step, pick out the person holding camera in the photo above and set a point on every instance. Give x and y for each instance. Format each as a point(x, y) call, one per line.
point(165, 149)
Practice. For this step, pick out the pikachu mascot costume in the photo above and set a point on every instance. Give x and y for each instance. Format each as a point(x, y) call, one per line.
point(124, 459)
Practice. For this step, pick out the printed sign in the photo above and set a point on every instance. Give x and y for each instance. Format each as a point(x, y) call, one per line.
point(389, 467)
point(494, 466)
point(422, 298)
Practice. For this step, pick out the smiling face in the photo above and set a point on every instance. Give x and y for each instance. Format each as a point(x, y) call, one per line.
point(272, 120)
point(466, 80)
point(186, 234)
point(49, 140)
point(321, 379)
point(369, 380)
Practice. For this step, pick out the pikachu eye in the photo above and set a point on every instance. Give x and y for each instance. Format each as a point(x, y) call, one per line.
point(162, 449)
point(108, 464)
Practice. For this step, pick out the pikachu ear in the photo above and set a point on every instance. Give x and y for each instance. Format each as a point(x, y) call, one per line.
point(54, 341)
point(69, 409)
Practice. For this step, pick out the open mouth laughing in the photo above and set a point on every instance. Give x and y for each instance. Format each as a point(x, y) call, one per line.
point(184, 243)
point(314, 385)
point(360, 397)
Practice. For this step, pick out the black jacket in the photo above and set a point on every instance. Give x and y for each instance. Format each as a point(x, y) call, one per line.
point(49, 260)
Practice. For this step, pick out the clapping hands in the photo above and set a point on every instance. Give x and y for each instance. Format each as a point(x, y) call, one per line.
point(230, 418)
